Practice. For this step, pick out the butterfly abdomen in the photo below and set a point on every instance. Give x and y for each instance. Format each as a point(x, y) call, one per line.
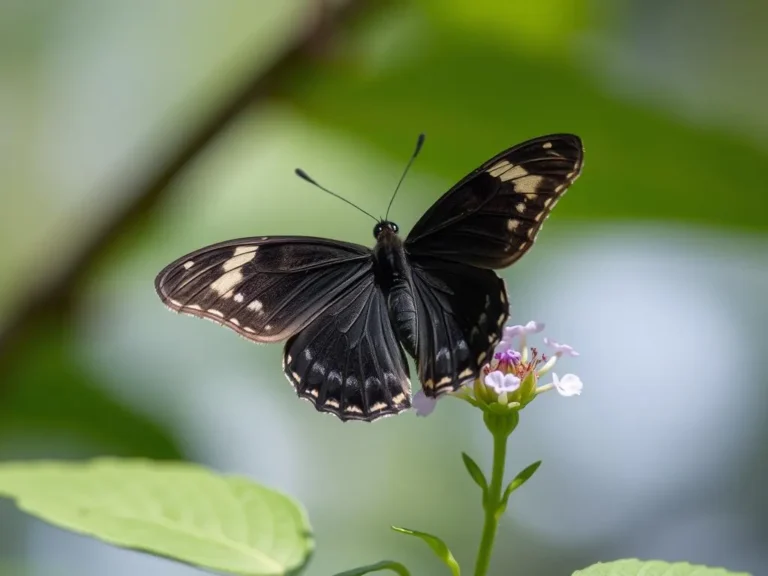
point(393, 273)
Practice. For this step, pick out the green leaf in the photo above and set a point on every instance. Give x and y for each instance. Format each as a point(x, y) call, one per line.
point(633, 567)
point(438, 547)
point(173, 509)
point(518, 481)
point(383, 565)
point(475, 472)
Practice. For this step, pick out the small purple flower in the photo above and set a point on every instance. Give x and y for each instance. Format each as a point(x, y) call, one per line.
point(531, 327)
point(508, 356)
point(423, 404)
point(560, 349)
point(569, 385)
point(502, 382)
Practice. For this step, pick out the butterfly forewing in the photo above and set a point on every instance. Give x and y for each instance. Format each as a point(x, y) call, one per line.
point(266, 289)
point(491, 218)
point(349, 362)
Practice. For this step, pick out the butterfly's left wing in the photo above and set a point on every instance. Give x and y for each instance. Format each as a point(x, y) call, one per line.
point(342, 354)
point(491, 217)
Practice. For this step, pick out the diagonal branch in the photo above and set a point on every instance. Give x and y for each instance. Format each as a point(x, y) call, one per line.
point(56, 298)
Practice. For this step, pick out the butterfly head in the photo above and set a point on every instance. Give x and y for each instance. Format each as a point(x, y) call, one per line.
point(385, 227)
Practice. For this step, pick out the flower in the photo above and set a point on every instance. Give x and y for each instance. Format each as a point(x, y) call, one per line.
point(423, 404)
point(560, 349)
point(531, 327)
point(510, 380)
point(569, 385)
point(502, 382)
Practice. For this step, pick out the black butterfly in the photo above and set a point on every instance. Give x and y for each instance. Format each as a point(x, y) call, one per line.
point(348, 312)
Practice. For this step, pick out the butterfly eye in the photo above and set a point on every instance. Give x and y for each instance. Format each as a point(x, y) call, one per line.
point(377, 229)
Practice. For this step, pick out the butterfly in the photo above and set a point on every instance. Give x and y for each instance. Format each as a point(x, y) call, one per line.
point(349, 313)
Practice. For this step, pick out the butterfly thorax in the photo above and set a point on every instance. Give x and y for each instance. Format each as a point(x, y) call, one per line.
point(393, 275)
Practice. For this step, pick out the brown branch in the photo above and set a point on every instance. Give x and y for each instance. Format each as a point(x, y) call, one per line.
point(56, 298)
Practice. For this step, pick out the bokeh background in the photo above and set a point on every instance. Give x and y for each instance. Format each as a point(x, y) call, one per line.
point(132, 132)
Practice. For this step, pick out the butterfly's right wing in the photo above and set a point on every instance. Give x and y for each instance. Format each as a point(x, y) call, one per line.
point(265, 289)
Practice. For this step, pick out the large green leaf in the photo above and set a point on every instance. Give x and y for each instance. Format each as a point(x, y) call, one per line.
point(225, 523)
point(634, 567)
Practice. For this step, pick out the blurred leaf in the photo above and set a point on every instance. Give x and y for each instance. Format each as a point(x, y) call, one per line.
point(475, 472)
point(46, 392)
point(379, 566)
point(473, 100)
point(522, 477)
point(652, 568)
point(178, 510)
point(438, 547)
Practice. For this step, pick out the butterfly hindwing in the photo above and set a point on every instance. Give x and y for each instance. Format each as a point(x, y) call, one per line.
point(265, 289)
point(491, 217)
point(461, 312)
point(348, 361)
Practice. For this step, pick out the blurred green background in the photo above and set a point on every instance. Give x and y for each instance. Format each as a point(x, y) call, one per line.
point(654, 266)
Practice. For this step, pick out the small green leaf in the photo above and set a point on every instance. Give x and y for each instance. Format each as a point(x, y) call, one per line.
point(633, 567)
point(475, 472)
point(383, 565)
point(438, 547)
point(518, 481)
point(173, 509)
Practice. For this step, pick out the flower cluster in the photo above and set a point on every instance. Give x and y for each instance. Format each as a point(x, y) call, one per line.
point(511, 379)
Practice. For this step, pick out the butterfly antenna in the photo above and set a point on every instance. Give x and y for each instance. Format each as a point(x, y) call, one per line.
point(304, 176)
point(419, 144)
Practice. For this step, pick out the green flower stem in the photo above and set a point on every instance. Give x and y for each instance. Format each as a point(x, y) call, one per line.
point(500, 426)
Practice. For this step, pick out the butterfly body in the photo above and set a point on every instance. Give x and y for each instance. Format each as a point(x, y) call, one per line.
point(395, 279)
point(349, 313)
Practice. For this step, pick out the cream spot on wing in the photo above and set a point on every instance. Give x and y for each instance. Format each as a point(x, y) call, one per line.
point(268, 327)
point(512, 224)
point(497, 169)
point(513, 173)
point(520, 207)
point(218, 313)
point(288, 359)
point(296, 376)
point(238, 297)
point(523, 246)
point(243, 255)
point(235, 321)
point(529, 184)
point(265, 237)
point(547, 145)
point(547, 202)
point(378, 406)
point(503, 296)
point(444, 380)
point(188, 264)
point(225, 283)
point(354, 409)
point(466, 373)
point(429, 384)
point(249, 329)
point(491, 338)
point(175, 302)
point(500, 321)
point(399, 399)
point(560, 188)
point(255, 305)
point(332, 403)
point(481, 357)
point(194, 307)
point(314, 393)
